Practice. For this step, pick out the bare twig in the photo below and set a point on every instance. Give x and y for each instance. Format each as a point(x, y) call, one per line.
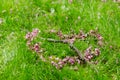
point(58, 41)
point(70, 45)
point(77, 51)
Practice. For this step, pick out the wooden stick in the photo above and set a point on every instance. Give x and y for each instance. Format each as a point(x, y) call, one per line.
point(77, 51)
point(58, 41)
point(70, 45)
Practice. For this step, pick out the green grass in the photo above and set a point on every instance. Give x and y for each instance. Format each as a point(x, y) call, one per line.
point(21, 16)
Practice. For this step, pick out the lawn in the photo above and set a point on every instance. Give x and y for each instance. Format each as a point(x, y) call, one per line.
point(18, 17)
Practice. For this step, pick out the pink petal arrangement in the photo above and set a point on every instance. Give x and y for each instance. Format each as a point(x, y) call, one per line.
point(89, 54)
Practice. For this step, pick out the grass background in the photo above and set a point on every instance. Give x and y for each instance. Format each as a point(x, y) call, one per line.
point(21, 16)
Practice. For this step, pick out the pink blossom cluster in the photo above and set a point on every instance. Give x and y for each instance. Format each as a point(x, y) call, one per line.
point(89, 54)
point(30, 36)
point(60, 63)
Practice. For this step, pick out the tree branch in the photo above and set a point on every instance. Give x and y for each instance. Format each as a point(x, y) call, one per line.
point(58, 41)
point(70, 45)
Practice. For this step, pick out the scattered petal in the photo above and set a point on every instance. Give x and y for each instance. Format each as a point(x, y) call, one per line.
point(97, 51)
point(66, 59)
point(100, 43)
point(99, 37)
point(59, 33)
point(61, 63)
point(29, 36)
point(36, 47)
point(71, 61)
point(78, 61)
point(35, 32)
